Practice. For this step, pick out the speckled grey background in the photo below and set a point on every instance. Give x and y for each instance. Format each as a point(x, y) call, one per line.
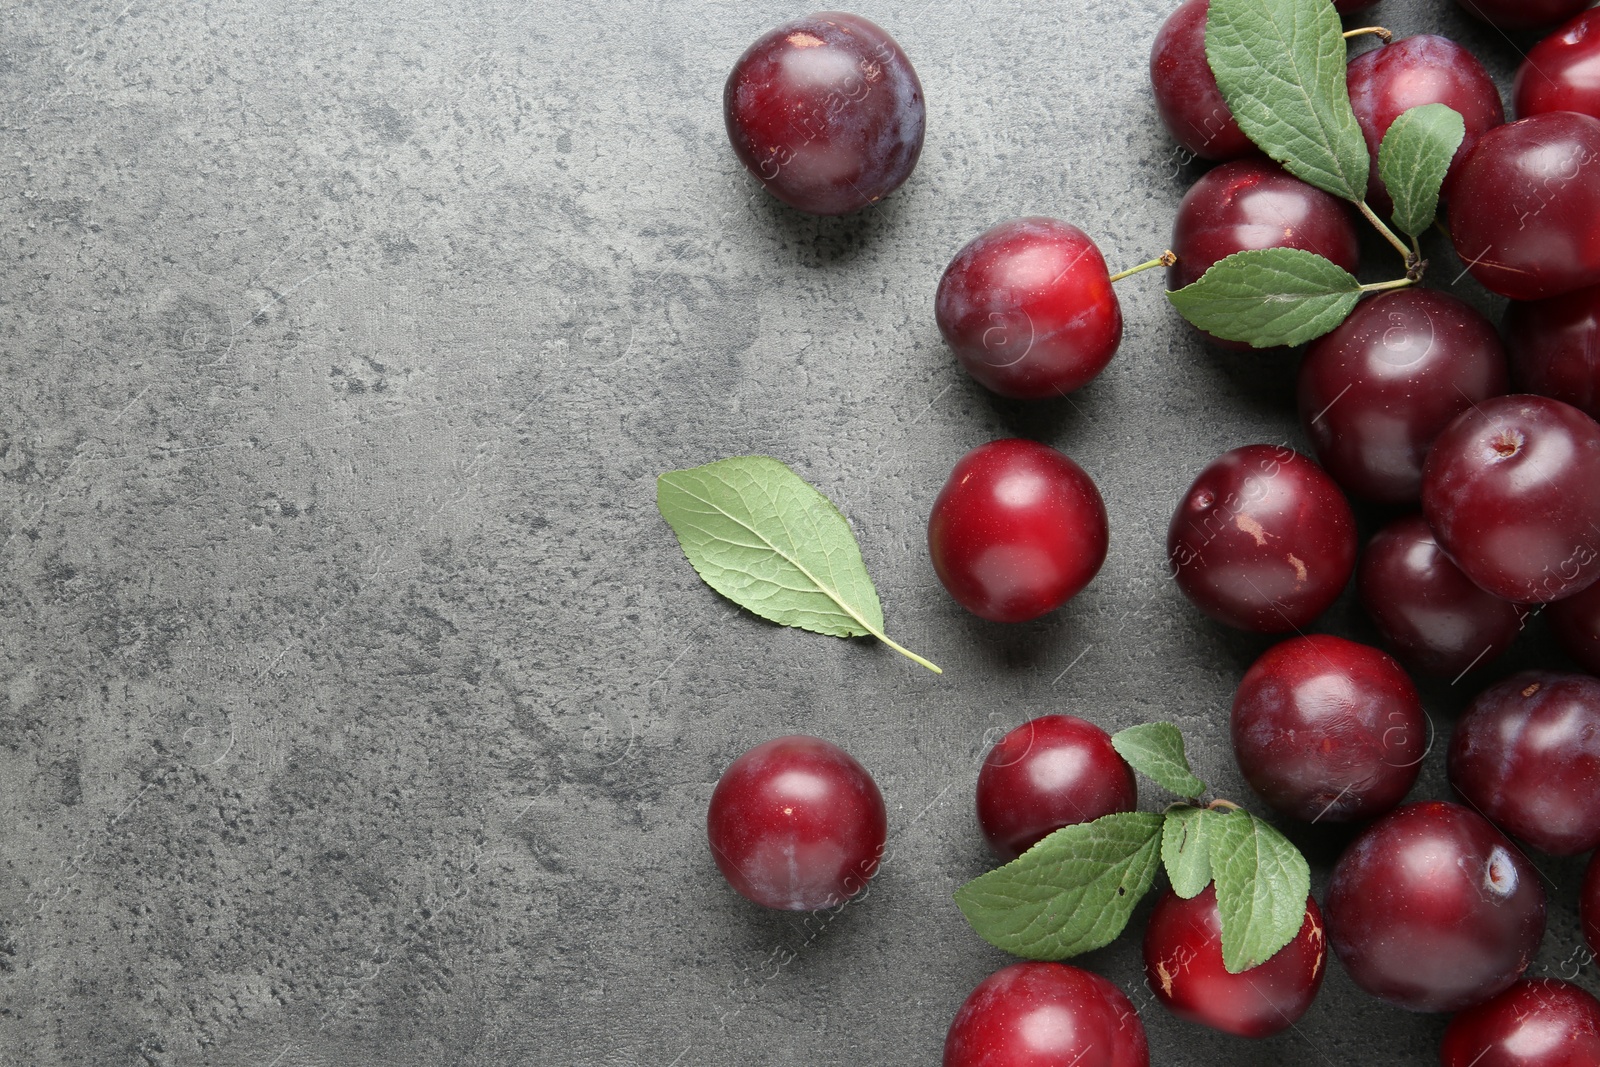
point(356, 707)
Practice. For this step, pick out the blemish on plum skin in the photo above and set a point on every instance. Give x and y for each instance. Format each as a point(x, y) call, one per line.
point(1251, 527)
point(802, 39)
point(1532, 689)
point(1299, 566)
point(1500, 873)
point(1317, 940)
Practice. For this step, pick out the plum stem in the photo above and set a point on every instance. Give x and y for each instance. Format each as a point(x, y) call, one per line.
point(1376, 31)
point(1165, 259)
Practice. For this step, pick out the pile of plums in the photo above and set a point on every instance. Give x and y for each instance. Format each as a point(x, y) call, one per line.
point(1479, 445)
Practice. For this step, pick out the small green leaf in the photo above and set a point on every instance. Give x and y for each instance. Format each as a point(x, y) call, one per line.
point(1072, 892)
point(1262, 885)
point(1281, 67)
point(763, 538)
point(1155, 750)
point(1269, 296)
point(1413, 159)
point(1186, 848)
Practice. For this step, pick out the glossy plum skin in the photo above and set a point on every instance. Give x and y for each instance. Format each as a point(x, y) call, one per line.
point(1527, 755)
point(1017, 531)
point(1575, 622)
point(1555, 344)
point(1522, 14)
point(1523, 204)
point(1539, 1022)
point(1029, 309)
point(1589, 904)
point(1263, 540)
point(1187, 98)
point(1050, 772)
point(1376, 390)
point(797, 824)
point(1183, 967)
point(1562, 72)
point(1434, 617)
point(1328, 730)
point(826, 112)
point(1044, 1015)
point(1433, 909)
point(1254, 203)
point(1408, 73)
point(1512, 492)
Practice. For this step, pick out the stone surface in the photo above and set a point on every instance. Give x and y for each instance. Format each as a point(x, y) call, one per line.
point(356, 706)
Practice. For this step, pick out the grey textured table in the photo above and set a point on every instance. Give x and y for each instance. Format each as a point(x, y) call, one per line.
point(356, 706)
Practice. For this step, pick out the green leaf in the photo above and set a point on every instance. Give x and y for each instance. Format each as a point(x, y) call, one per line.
point(1281, 67)
point(1186, 848)
point(1155, 750)
point(1413, 159)
point(1262, 885)
point(763, 538)
point(1269, 296)
point(1072, 892)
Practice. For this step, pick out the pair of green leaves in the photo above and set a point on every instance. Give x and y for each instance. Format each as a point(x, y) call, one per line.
point(1280, 65)
point(757, 533)
point(1075, 890)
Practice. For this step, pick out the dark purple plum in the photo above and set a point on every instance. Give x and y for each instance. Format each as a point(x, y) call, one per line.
point(1522, 14)
point(1433, 909)
point(1555, 345)
point(1254, 203)
point(1523, 205)
point(1263, 540)
point(826, 112)
point(1386, 82)
point(1050, 772)
point(1434, 617)
point(1328, 730)
point(1527, 755)
point(1576, 623)
point(1187, 98)
point(1512, 492)
point(1377, 389)
point(1562, 72)
point(1539, 1022)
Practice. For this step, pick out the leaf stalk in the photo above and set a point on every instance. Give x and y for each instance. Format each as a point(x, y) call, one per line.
point(1388, 234)
point(1398, 283)
point(907, 653)
point(875, 631)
